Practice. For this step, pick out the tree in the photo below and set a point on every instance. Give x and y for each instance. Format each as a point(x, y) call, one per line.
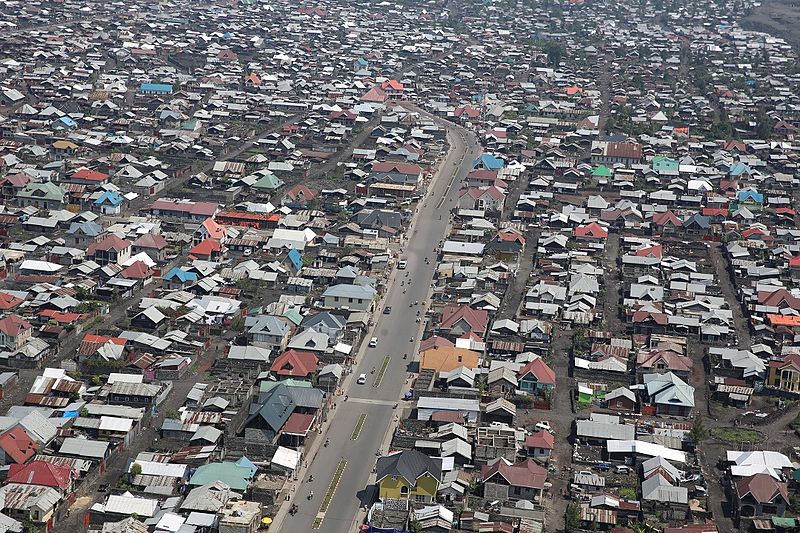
point(136, 469)
point(698, 431)
point(572, 520)
point(171, 413)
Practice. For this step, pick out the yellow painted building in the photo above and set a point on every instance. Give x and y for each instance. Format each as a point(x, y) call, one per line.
point(785, 375)
point(409, 475)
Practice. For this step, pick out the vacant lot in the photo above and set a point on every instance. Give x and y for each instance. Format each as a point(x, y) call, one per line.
point(737, 435)
point(776, 17)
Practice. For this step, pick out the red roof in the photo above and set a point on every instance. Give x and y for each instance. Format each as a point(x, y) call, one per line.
point(763, 488)
point(779, 298)
point(148, 240)
point(539, 369)
point(58, 316)
point(656, 251)
point(13, 325)
point(138, 270)
point(206, 248)
point(668, 217)
point(300, 192)
point(376, 94)
point(591, 231)
point(295, 363)
point(540, 439)
point(476, 318)
point(17, 445)
point(9, 301)
point(392, 84)
point(298, 424)
point(794, 261)
point(402, 168)
point(109, 242)
point(215, 231)
point(90, 175)
point(525, 474)
point(42, 473)
point(195, 208)
point(435, 342)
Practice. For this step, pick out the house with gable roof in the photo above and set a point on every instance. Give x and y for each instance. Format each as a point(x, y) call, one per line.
point(408, 475)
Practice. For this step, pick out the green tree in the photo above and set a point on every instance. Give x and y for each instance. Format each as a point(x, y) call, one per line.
point(136, 469)
point(572, 520)
point(698, 432)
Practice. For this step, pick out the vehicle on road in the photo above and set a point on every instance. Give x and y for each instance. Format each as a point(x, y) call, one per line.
point(401, 265)
point(362, 378)
point(373, 342)
point(387, 309)
point(544, 425)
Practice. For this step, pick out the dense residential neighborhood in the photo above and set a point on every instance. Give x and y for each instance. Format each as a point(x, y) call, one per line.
point(511, 267)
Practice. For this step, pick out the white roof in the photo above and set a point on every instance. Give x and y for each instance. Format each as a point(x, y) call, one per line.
point(112, 423)
point(773, 460)
point(286, 458)
point(170, 522)
point(645, 448)
point(127, 504)
point(125, 378)
point(153, 468)
point(40, 266)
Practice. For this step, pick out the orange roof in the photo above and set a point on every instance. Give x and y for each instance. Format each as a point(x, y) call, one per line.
point(784, 320)
point(206, 247)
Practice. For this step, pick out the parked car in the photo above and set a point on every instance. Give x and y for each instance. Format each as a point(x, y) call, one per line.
point(362, 378)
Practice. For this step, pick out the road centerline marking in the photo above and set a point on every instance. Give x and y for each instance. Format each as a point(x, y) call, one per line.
point(382, 371)
point(328, 497)
point(359, 426)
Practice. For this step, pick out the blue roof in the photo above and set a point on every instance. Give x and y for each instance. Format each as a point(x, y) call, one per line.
point(156, 88)
point(488, 162)
point(68, 121)
point(181, 274)
point(739, 168)
point(750, 194)
point(296, 259)
point(110, 197)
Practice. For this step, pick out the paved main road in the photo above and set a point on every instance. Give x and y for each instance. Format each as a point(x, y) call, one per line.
point(394, 332)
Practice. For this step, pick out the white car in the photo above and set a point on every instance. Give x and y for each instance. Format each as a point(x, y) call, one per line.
point(544, 425)
point(362, 378)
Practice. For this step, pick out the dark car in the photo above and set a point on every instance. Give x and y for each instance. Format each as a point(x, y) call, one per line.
point(387, 310)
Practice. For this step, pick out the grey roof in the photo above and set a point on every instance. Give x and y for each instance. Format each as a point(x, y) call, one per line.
point(93, 449)
point(149, 390)
point(249, 353)
point(350, 291)
point(210, 497)
point(603, 430)
point(329, 320)
point(334, 369)
point(207, 433)
point(267, 324)
point(657, 488)
point(410, 464)
point(276, 405)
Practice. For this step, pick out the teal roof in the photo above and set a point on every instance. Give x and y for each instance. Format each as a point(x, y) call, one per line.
point(236, 475)
point(268, 181)
point(267, 386)
point(43, 191)
point(294, 316)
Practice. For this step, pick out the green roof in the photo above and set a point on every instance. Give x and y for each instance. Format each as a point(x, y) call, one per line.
point(268, 181)
point(784, 521)
point(43, 191)
point(602, 171)
point(267, 386)
point(236, 475)
point(294, 316)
